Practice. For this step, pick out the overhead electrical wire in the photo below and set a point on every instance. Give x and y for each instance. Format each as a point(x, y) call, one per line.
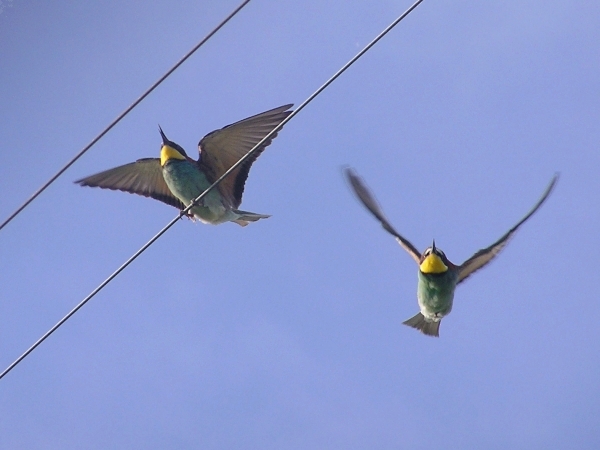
point(122, 115)
point(212, 186)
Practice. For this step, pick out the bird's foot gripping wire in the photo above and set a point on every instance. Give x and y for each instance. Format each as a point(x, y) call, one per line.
point(188, 214)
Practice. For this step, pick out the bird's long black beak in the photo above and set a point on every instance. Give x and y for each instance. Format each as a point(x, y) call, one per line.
point(164, 138)
point(433, 247)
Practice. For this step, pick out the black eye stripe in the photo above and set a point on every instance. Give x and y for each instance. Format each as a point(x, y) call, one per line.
point(437, 252)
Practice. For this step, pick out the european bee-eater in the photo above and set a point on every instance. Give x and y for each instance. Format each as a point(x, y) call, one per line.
point(176, 179)
point(438, 277)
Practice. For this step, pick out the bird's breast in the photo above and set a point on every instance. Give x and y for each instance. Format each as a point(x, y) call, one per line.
point(436, 292)
point(184, 179)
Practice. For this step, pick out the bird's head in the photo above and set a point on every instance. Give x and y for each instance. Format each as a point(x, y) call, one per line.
point(433, 260)
point(170, 150)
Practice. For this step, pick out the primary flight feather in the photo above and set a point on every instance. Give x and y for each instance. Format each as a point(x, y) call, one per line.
point(438, 277)
point(176, 179)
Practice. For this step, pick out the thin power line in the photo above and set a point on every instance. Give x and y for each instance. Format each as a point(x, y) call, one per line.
point(122, 115)
point(203, 194)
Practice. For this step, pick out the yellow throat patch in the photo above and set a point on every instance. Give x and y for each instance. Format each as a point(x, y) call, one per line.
point(433, 264)
point(167, 153)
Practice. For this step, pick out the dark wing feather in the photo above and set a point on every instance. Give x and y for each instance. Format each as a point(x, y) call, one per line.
point(221, 149)
point(143, 177)
point(484, 256)
point(367, 199)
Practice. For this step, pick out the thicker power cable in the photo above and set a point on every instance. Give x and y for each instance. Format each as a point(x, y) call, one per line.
point(212, 186)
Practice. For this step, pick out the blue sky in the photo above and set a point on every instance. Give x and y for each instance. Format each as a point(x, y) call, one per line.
point(288, 333)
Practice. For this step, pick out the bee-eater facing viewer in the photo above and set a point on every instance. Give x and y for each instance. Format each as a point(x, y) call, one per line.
point(438, 277)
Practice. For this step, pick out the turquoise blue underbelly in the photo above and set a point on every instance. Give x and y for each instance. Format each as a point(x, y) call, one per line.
point(186, 182)
point(436, 292)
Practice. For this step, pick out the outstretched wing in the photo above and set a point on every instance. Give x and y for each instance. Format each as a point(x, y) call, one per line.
point(367, 199)
point(221, 149)
point(143, 177)
point(484, 256)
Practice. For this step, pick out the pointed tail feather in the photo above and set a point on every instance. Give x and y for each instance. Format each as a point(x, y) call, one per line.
point(246, 217)
point(430, 328)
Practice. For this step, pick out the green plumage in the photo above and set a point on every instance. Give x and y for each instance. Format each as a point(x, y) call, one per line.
point(177, 180)
point(435, 293)
point(186, 182)
point(438, 277)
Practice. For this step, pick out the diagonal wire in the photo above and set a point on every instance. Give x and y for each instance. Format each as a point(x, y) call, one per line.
point(122, 115)
point(212, 186)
